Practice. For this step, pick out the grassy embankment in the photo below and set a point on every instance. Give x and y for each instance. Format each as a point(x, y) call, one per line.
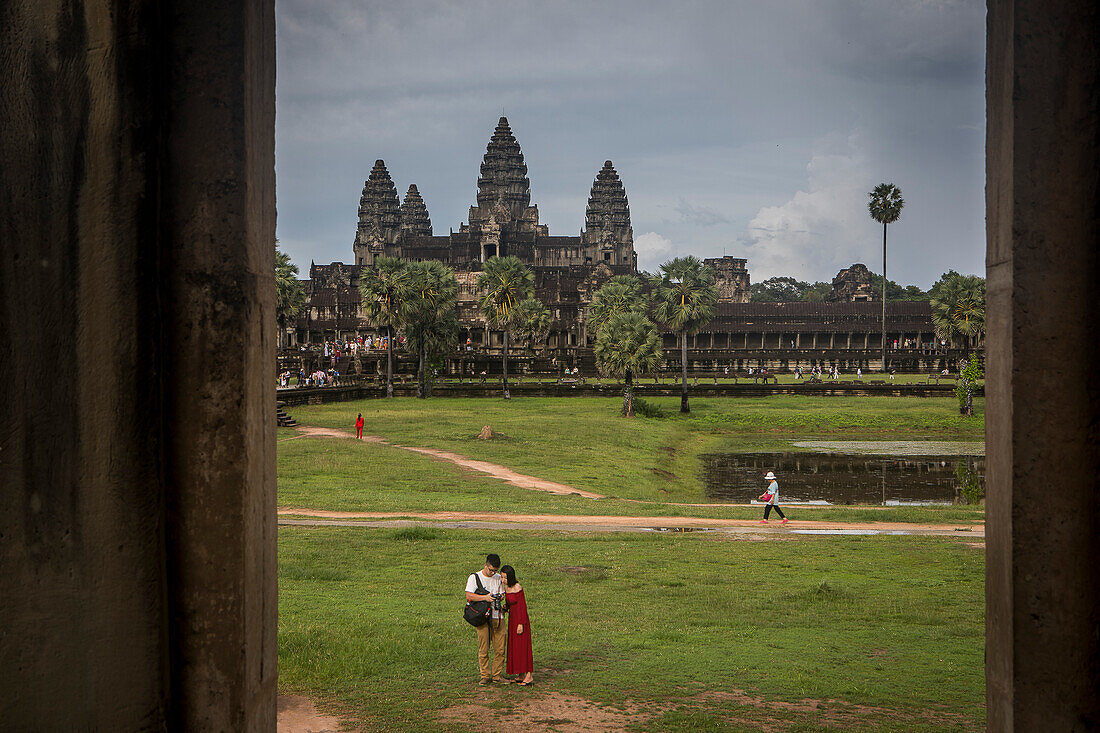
point(583, 442)
point(886, 632)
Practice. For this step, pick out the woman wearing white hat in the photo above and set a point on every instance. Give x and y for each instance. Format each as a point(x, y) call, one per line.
point(770, 497)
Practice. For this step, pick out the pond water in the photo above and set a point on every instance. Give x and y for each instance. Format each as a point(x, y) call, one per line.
point(841, 478)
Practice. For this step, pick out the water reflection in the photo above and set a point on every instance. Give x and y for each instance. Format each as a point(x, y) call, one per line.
point(840, 479)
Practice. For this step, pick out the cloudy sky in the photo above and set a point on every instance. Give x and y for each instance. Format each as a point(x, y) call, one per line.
point(742, 128)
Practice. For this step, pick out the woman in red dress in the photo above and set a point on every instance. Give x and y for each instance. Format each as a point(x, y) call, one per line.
point(520, 660)
point(359, 426)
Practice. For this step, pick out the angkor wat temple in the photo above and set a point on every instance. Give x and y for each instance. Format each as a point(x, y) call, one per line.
point(570, 269)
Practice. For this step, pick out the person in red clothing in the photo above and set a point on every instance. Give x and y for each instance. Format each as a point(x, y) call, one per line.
point(359, 426)
point(520, 660)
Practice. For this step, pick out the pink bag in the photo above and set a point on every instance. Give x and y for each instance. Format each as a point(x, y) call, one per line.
point(764, 498)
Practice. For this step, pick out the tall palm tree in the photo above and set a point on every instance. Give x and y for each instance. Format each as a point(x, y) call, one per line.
point(885, 207)
point(428, 314)
point(504, 282)
point(289, 295)
point(627, 346)
point(686, 299)
point(958, 308)
point(533, 322)
point(620, 294)
point(383, 289)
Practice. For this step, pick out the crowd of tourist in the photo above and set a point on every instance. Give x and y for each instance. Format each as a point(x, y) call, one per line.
point(349, 346)
point(319, 378)
point(334, 351)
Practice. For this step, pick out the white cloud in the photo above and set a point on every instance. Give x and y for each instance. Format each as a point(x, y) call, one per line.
point(821, 229)
point(652, 249)
point(703, 216)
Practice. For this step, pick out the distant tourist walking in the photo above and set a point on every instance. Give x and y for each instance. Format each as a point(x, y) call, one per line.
point(359, 426)
point(484, 585)
point(520, 658)
point(770, 497)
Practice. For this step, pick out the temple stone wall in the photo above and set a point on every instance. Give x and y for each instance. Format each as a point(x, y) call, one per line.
point(1043, 384)
point(137, 463)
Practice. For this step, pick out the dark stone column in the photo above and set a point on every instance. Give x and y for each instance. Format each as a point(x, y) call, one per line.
point(1043, 366)
point(137, 367)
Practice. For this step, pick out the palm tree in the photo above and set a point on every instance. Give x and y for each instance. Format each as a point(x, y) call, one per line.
point(627, 345)
point(686, 299)
point(958, 308)
point(885, 207)
point(533, 322)
point(504, 282)
point(383, 289)
point(289, 295)
point(428, 314)
point(620, 294)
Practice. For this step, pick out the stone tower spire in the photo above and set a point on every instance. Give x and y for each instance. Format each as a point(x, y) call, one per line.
point(607, 205)
point(503, 195)
point(504, 174)
point(607, 231)
point(414, 214)
point(379, 215)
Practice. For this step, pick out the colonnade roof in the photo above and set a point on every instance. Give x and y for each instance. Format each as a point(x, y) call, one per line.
point(918, 308)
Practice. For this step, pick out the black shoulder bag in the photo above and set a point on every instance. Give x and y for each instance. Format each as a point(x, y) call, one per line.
point(477, 613)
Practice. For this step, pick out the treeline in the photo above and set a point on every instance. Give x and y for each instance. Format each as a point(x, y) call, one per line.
point(788, 289)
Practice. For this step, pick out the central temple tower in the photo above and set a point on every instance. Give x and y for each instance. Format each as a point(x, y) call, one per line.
point(503, 207)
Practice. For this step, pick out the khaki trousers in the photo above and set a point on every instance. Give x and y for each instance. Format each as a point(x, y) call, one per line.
point(496, 630)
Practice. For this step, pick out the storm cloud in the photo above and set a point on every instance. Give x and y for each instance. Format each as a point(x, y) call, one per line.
point(748, 129)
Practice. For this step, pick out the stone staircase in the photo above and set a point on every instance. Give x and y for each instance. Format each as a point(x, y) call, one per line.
point(282, 419)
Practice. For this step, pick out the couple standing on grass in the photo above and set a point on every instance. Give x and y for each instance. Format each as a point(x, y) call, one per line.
point(499, 584)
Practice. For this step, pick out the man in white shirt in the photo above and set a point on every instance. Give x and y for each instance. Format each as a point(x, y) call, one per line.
point(494, 632)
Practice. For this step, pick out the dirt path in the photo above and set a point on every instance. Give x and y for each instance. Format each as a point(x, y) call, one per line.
point(598, 523)
point(297, 714)
point(504, 474)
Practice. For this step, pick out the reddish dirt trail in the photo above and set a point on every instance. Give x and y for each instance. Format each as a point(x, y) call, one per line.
point(504, 474)
point(596, 523)
point(297, 714)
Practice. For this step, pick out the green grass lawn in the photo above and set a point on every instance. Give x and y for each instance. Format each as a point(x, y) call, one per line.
point(675, 625)
point(348, 475)
point(579, 441)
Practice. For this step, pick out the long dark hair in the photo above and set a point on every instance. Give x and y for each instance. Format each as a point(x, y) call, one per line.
point(509, 574)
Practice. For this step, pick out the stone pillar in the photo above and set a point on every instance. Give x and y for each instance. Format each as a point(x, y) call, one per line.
point(1042, 379)
point(137, 334)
